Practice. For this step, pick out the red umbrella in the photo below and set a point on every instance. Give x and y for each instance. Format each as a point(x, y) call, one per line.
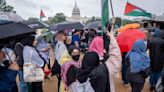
point(127, 38)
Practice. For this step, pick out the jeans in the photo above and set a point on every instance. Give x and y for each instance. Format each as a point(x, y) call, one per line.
point(23, 84)
point(155, 75)
point(124, 68)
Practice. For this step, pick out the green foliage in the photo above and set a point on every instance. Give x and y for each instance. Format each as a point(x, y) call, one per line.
point(6, 8)
point(118, 21)
point(93, 19)
point(59, 17)
point(31, 18)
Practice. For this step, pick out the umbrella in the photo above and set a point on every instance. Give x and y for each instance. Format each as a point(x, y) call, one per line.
point(66, 25)
point(10, 16)
point(129, 26)
point(19, 28)
point(127, 38)
point(93, 25)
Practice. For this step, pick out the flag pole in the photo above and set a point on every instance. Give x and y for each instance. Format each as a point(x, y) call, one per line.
point(112, 9)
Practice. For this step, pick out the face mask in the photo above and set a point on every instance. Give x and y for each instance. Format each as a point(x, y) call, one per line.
point(76, 57)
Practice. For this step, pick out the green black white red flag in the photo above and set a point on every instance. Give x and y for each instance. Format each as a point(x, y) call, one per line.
point(132, 10)
point(42, 15)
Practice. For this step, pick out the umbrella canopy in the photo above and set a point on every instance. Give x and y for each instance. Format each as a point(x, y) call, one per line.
point(127, 38)
point(19, 28)
point(129, 26)
point(93, 25)
point(66, 25)
point(35, 24)
point(10, 16)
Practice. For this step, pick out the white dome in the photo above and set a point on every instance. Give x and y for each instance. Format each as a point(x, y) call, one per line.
point(76, 11)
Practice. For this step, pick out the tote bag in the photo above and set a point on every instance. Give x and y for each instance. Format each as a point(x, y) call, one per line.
point(32, 73)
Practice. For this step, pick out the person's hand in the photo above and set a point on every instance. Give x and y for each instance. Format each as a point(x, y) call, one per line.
point(113, 21)
point(110, 34)
point(14, 66)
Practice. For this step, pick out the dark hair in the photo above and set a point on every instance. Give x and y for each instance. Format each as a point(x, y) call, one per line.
point(28, 40)
point(61, 32)
point(108, 25)
point(145, 25)
point(71, 48)
point(94, 30)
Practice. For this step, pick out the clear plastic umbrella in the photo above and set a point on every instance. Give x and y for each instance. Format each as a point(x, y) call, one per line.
point(10, 16)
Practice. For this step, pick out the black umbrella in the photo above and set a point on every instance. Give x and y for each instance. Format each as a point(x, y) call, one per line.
point(35, 24)
point(93, 25)
point(19, 28)
point(66, 25)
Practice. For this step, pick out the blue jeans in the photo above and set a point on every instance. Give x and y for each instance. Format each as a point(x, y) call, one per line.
point(155, 75)
point(124, 68)
point(23, 84)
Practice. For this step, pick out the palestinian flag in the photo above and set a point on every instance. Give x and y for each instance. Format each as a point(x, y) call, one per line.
point(104, 13)
point(42, 15)
point(132, 10)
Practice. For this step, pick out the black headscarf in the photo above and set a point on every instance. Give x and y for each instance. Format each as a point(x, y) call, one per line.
point(90, 62)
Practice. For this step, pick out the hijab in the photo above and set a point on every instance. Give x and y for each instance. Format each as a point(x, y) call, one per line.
point(138, 57)
point(90, 62)
point(97, 45)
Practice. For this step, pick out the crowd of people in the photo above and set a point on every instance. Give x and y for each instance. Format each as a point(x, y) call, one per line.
point(34, 59)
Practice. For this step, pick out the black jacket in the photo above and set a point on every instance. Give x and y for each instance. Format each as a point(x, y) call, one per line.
point(157, 54)
point(99, 79)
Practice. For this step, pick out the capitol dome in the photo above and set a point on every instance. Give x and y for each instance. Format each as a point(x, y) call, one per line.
point(76, 12)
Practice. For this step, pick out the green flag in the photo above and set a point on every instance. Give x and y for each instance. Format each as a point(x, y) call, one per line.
point(104, 13)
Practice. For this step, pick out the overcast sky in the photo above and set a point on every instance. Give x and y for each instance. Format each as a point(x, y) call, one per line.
point(89, 8)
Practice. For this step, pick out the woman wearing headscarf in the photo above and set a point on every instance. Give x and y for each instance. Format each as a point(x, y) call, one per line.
point(69, 70)
point(96, 77)
point(97, 45)
point(138, 64)
point(30, 54)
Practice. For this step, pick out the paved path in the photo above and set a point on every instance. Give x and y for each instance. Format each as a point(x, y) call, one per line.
point(121, 88)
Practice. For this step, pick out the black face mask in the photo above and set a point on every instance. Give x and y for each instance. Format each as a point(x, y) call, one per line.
point(76, 57)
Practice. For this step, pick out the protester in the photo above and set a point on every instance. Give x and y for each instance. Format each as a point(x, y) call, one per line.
point(19, 55)
point(97, 45)
point(69, 70)
point(60, 50)
point(138, 64)
point(92, 34)
point(7, 75)
point(60, 47)
point(30, 54)
point(96, 77)
point(76, 38)
point(156, 57)
point(43, 48)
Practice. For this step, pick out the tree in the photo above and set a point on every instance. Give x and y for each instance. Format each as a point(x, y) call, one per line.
point(6, 8)
point(59, 17)
point(118, 21)
point(31, 18)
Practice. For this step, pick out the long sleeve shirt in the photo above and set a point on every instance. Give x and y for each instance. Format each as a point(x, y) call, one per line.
point(114, 61)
